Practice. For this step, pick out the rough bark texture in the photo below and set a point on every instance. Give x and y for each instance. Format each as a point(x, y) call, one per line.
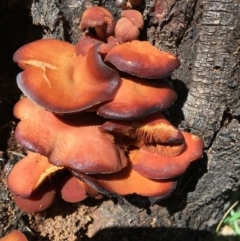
point(205, 35)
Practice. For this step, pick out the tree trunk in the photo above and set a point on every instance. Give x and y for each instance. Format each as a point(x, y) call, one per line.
point(205, 35)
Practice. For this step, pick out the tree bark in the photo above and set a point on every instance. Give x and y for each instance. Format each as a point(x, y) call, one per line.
point(205, 35)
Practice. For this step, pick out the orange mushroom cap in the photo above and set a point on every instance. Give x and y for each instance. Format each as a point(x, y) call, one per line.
point(41, 199)
point(15, 235)
point(142, 59)
point(61, 82)
point(155, 166)
point(153, 133)
point(100, 19)
point(73, 140)
point(45, 53)
point(137, 98)
point(29, 173)
point(93, 183)
point(128, 181)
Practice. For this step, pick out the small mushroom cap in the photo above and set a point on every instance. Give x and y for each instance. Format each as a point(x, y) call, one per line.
point(127, 28)
point(15, 235)
point(75, 190)
point(100, 19)
point(106, 47)
point(142, 59)
point(137, 98)
point(40, 199)
point(21, 183)
point(153, 133)
point(72, 189)
point(69, 85)
point(85, 43)
point(97, 153)
point(134, 16)
point(126, 31)
point(155, 166)
point(128, 181)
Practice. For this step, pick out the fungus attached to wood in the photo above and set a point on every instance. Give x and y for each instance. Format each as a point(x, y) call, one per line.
point(65, 136)
point(29, 173)
point(99, 19)
point(153, 133)
point(128, 181)
point(72, 189)
point(117, 142)
point(155, 166)
point(134, 58)
point(137, 98)
point(128, 27)
point(62, 82)
point(41, 199)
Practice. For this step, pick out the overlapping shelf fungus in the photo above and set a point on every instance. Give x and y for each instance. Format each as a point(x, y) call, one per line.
point(118, 141)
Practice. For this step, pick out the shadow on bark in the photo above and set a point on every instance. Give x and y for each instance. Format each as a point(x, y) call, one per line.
point(146, 233)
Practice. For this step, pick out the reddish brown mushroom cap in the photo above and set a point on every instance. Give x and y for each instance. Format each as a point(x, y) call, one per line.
point(85, 43)
point(127, 28)
point(153, 133)
point(72, 190)
point(137, 98)
point(142, 59)
point(128, 181)
point(155, 166)
point(75, 190)
point(73, 140)
point(29, 173)
point(40, 199)
point(134, 16)
point(106, 47)
point(126, 31)
point(100, 19)
point(70, 85)
point(15, 235)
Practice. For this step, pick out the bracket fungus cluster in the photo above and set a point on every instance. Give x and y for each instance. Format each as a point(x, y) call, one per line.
point(118, 141)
